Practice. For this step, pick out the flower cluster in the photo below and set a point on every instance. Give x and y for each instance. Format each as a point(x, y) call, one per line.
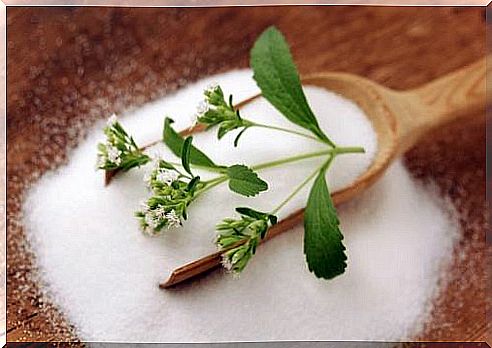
point(238, 238)
point(215, 111)
point(119, 151)
point(172, 192)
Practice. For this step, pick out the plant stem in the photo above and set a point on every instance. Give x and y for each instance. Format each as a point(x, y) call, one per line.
point(296, 191)
point(212, 183)
point(286, 131)
point(335, 151)
point(332, 152)
point(323, 167)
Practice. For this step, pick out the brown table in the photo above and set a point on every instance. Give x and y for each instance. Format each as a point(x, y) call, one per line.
point(68, 67)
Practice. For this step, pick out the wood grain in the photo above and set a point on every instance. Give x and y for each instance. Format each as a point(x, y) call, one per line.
point(68, 67)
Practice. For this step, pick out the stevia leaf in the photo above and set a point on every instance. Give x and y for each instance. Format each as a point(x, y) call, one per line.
point(175, 142)
point(192, 184)
point(276, 75)
point(251, 212)
point(166, 165)
point(236, 140)
point(325, 253)
point(185, 154)
point(245, 181)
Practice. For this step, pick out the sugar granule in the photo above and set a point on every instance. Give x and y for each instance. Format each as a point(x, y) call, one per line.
point(103, 272)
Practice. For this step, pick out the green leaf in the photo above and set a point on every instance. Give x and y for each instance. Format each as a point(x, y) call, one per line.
point(193, 183)
point(185, 154)
point(175, 142)
point(256, 214)
point(166, 165)
point(325, 253)
point(236, 140)
point(244, 181)
point(276, 75)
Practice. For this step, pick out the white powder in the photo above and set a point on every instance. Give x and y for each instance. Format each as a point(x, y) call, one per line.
point(103, 273)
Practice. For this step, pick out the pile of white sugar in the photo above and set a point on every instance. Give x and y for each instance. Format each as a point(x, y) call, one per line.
point(103, 272)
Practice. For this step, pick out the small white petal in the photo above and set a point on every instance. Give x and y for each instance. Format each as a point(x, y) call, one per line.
point(226, 263)
point(156, 155)
point(173, 219)
point(147, 179)
point(112, 120)
point(160, 213)
point(202, 108)
point(101, 161)
point(149, 220)
point(167, 176)
point(212, 86)
point(113, 154)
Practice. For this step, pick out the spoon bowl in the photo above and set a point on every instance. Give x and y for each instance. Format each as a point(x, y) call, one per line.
point(369, 97)
point(399, 118)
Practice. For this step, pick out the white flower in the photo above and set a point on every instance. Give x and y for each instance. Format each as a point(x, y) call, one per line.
point(167, 176)
point(226, 262)
point(149, 219)
point(147, 179)
point(113, 154)
point(173, 219)
point(156, 156)
point(212, 86)
point(156, 165)
point(101, 161)
point(149, 231)
point(202, 108)
point(160, 213)
point(112, 120)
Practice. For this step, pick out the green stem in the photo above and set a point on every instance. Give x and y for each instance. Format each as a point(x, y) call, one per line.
point(298, 188)
point(212, 183)
point(287, 131)
point(323, 168)
point(209, 169)
point(335, 151)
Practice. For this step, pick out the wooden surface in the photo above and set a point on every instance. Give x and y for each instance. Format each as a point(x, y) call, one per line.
point(68, 67)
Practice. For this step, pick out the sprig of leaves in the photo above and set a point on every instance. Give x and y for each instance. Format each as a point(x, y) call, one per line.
point(242, 180)
point(172, 193)
point(175, 143)
point(239, 238)
point(174, 189)
point(216, 111)
point(120, 150)
point(276, 75)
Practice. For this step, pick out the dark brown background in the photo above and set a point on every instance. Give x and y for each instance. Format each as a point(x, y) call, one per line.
point(69, 66)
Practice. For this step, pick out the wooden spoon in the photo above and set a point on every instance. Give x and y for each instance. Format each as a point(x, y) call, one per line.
point(400, 119)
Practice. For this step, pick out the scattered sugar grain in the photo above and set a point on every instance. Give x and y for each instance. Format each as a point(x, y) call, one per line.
point(103, 273)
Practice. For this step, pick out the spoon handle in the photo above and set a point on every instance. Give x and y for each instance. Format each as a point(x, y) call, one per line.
point(460, 93)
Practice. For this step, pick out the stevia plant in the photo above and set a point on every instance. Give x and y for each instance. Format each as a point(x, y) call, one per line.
point(173, 190)
point(174, 186)
point(120, 150)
